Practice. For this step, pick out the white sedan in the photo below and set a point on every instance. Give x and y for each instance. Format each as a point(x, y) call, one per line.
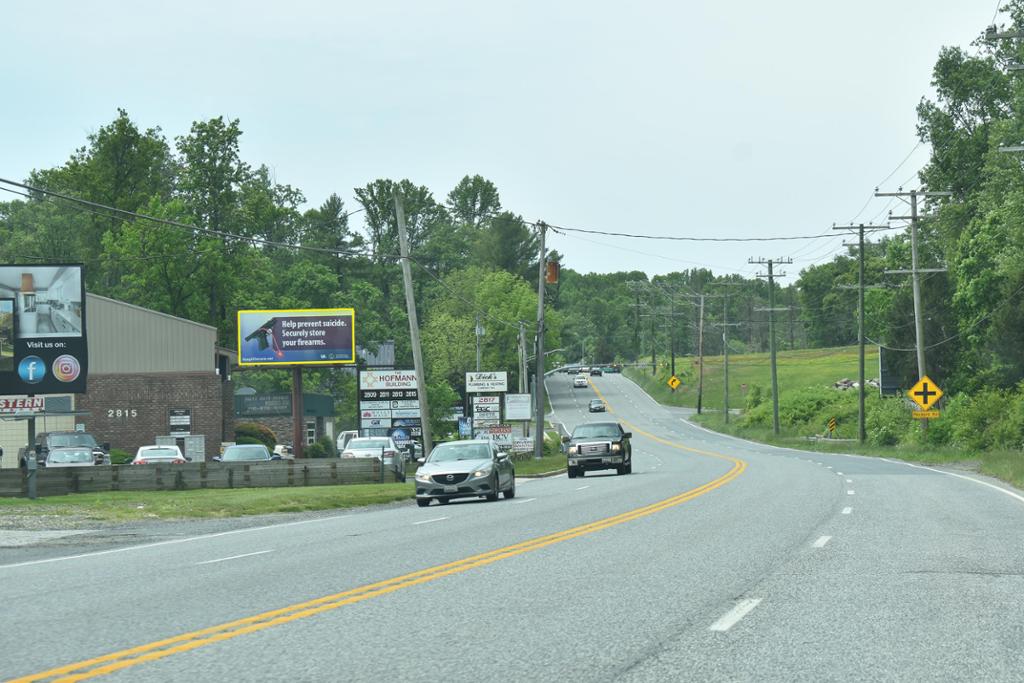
point(159, 455)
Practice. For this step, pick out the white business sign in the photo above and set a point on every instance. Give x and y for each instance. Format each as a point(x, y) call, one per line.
point(377, 380)
point(364, 414)
point(375, 405)
point(517, 406)
point(376, 423)
point(486, 400)
point(482, 382)
point(403, 405)
point(479, 409)
point(407, 412)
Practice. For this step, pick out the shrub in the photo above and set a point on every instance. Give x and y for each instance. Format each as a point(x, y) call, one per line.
point(888, 421)
point(247, 441)
point(254, 430)
point(119, 456)
point(755, 397)
point(316, 450)
point(329, 446)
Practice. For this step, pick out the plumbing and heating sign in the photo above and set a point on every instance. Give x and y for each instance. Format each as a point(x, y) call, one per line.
point(486, 382)
point(312, 336)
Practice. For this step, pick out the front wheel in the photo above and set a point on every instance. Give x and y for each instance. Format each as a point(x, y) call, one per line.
point(511, 493)
point(491, 497)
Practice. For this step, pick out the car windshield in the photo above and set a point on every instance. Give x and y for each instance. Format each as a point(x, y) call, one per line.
point(253, 452)
point(71, 455)
point(460, 451)
point(77, 439)
point(362, 444)
point(154, 453)
point(600, 429)
point(596, 402)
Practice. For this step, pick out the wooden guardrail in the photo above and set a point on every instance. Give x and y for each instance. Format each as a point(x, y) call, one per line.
point(205, 475)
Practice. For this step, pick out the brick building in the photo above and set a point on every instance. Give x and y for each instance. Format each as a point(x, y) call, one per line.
point(150, 375)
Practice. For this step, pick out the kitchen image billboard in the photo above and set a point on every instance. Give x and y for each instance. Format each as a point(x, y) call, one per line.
point(42, 329)
point(312, 336)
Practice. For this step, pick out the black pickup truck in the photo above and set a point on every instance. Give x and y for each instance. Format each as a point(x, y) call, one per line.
point(598, 446)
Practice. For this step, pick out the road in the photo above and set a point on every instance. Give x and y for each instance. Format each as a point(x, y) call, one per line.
point(717, 559)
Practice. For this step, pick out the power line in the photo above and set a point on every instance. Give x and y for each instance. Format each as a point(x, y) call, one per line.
point(675, 238)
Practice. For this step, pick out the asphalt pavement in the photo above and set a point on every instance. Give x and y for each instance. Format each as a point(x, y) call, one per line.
point(717, 559)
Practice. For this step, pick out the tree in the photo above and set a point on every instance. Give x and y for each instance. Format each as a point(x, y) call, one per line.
point(473, 201)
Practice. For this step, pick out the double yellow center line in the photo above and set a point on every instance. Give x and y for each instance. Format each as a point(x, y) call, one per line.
point(117, 661)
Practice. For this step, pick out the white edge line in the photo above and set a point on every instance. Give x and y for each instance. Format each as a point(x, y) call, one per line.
point(820, 543)
point(583, 487)
point(174, 541)
point(235, 557)
point(524, 500)
point(730, 618)
point(428, 521)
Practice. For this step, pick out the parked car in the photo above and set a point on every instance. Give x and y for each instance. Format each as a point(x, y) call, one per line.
point(247, 453)
point(69, 457)
point(380, 447)
point(159, 455)
point(465, 469)
point(284, 452)
point(580, 381)
point(597, 406)
point(598, 446)
point(46, 441)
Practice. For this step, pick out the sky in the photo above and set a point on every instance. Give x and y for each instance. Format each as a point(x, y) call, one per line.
point(698, 118)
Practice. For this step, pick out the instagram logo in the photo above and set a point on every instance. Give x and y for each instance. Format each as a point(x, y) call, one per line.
point(66, 368)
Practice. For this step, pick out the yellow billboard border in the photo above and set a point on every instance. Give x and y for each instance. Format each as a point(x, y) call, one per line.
point(282, 364)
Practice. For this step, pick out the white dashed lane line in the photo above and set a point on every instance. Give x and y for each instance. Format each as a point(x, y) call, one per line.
point(847, 511)
point(428, 521)
point(850, 492)
point(733, 616)
point(235, 557)
point(820, 543)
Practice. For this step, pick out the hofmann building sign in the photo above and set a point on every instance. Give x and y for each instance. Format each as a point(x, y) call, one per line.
point(486, 382)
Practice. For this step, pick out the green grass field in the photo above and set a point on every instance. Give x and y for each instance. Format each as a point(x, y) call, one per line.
point(121, 506)
point(796, 370)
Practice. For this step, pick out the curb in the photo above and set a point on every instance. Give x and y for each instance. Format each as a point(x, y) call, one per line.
point(552, 473)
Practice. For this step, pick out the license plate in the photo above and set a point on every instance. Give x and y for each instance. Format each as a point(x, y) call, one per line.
point(451, 489)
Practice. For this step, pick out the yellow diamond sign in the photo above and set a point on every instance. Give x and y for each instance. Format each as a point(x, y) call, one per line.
point(925, 393)
point(674, 382)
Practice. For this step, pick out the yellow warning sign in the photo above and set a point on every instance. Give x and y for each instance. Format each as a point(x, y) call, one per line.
point(925, 393)
point(674, 382)
point(925, 414)
point(832, 424)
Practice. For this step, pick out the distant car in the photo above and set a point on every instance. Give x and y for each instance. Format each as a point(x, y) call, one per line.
point(595, 372)
point(597, 406)
point(380, 447)
point(247, 453)
point(46, 441)
point(598, 446)
point(159, 455)
point(584, 370)
point(69, 457)
point(465, 469)
point(580, 381)
point(284, 452)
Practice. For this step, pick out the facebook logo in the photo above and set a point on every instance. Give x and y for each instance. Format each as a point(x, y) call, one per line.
point(31, 369)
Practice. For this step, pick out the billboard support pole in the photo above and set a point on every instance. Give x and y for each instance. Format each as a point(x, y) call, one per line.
point(414, 326)
point(298, 414)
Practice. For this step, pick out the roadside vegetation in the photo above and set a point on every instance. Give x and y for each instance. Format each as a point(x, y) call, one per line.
point(983, 430)
point(128, 506)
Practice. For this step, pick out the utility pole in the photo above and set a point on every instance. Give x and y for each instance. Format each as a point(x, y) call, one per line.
point(725, 324)
point(522, 357)
point(861, 419)
point(414, 328)
point(538, 442)
point(700, 357)
point(915, 271)
point(636, 286)
point(479, 334)
point(771, 275)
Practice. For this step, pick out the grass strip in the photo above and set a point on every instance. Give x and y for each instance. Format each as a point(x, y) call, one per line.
point(123, 506)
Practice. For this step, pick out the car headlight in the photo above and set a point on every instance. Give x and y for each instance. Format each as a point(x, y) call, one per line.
point(422, 476)
point(572, 450)
point(616, 448)
point(485, 472)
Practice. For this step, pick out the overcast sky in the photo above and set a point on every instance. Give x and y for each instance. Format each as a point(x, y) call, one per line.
point(695, 118)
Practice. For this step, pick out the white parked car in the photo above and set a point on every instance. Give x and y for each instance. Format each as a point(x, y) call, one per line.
point(159, 455)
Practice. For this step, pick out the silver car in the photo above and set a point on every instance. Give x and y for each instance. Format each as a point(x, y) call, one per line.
point(465, 469)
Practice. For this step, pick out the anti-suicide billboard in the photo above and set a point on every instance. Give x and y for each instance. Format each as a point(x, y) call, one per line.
point(311, 336)
point(43, 346)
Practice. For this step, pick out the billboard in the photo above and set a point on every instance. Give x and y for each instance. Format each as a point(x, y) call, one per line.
point(480, 382)
point(518, 406)
point(311, 336)
point(42, 329)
